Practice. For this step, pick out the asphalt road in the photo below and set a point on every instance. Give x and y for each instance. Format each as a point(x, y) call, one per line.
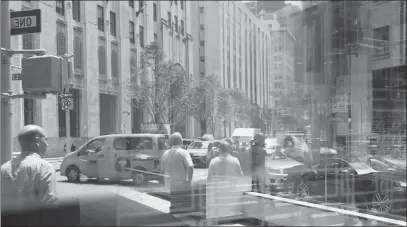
point(151, 199)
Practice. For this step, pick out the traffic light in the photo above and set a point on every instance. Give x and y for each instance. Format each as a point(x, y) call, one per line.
point(44, 73)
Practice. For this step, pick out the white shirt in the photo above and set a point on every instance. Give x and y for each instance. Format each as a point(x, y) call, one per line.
point(28, 182)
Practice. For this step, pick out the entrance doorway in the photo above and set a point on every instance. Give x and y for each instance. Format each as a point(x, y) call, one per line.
point(108, 114)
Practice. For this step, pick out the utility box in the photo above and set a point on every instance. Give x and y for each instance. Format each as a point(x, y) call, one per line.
point(43, 73)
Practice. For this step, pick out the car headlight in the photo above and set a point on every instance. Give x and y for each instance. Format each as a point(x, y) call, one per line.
point(275, 171)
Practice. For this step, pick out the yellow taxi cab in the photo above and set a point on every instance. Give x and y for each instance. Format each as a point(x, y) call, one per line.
point(118, 157)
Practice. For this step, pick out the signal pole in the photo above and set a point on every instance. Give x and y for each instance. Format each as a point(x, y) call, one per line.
point(6, 110)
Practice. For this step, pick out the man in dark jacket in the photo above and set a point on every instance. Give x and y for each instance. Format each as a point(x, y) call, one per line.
point(258, 163)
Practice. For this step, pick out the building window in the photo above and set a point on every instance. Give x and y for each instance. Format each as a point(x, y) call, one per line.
point(201, 9)
point(28, 111)
point(114, 61)
point(140, 4)
point(202, 27)
point(112, 23)
point(182, 4)
point(169, 19)
point(182, 27)
point(176, 23)
point(131, 3)
point(176, 2)
point(133, 63)
point(27, 43)
point(202, 43)
point(131, 32)
point(77, 53)
point(101, 19)
point(102, 60)
point(381, 38)
point(155, 37)
point(155, 11)
point(76, 11)
point(61, 43)
point(141, 35)
point(60, 7)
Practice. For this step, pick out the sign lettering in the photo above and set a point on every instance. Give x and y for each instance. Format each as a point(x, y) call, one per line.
point(24, 22)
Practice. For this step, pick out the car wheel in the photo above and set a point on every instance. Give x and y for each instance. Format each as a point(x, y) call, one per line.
point(139, 178)
point(301, 189)
point(381, 202)
point(73, 174)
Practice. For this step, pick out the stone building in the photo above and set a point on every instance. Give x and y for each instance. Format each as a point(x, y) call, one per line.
point(105, 39)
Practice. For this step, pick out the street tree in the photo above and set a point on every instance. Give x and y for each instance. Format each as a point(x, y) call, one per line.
point(241, 107)
point(207, 103)
point(158, 87)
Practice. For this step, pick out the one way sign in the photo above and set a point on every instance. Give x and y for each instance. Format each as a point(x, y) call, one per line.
point(24, 22)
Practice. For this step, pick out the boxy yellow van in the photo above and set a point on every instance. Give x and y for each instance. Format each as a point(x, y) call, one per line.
point(118, 157)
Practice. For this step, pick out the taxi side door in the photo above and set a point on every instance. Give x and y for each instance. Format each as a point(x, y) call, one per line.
point(90, 156)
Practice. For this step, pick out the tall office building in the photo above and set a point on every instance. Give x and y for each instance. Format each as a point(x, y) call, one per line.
point(236, 46)
point(105, 39)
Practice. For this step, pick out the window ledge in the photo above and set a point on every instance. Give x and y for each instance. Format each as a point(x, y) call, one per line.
point(61, 19)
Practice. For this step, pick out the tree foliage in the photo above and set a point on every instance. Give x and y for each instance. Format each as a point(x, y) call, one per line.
point(159, 86)
point(202, 102)
point(241, 107)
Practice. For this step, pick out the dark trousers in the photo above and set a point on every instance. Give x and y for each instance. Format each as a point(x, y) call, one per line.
point(181, 199)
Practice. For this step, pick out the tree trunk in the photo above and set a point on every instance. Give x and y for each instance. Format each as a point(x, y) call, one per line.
point(203, 126)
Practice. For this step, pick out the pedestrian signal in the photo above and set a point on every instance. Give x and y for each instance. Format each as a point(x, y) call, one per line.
point(43, 73)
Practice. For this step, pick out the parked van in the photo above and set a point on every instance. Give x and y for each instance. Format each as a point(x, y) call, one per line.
point(118, 157)
point(244, 134)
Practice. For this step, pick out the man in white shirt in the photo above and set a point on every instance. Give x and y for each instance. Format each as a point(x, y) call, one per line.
point(178, 167)
point(28, 181)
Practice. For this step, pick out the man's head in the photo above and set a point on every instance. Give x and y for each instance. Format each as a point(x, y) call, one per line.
point(224, 147)
point(288, 143)
point(229, 141)
point(175, 139)
point(259, 139)
point(32, 138)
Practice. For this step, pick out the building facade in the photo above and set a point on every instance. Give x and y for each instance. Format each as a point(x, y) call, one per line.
point(236, 46)
point(356, 59)
point(283, 61)
point(105, 39)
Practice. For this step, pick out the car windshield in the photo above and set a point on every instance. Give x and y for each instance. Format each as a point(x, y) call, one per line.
point(277, 155)
point(199, 145)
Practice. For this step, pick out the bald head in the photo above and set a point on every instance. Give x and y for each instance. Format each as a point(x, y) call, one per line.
point(175, 139)
point(30, 137)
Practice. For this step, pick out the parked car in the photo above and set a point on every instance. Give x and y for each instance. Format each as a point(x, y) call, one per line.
point(282, 171)
point(380, 191)
point(199, 152)
point(186, 143)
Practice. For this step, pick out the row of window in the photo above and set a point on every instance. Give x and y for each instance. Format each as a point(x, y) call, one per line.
point(61, 48)
point(76, 9)
point(114, 60)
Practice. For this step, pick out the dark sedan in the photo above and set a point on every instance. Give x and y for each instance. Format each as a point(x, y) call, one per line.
point(340, 181)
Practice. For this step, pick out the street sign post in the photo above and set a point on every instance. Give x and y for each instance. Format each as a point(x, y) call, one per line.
point(66, 103)
point(24, 22)
point(16, 76)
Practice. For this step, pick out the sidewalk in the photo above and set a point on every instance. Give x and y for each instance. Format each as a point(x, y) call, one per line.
point(116, 210)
